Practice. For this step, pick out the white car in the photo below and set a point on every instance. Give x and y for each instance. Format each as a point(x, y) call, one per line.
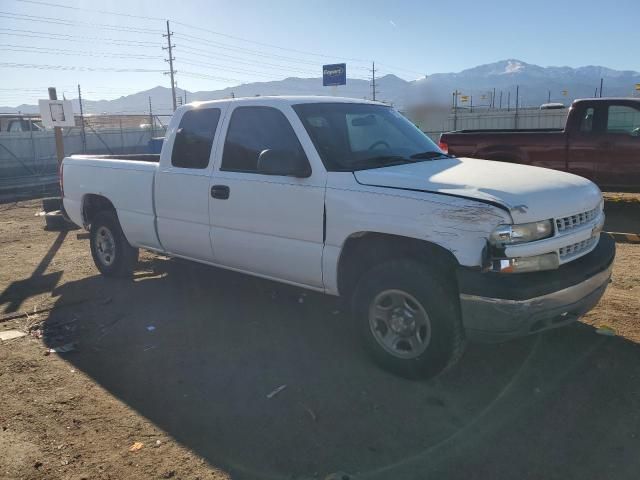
point(348, 198)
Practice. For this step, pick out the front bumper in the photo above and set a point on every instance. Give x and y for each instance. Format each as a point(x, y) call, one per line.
point(498, 307)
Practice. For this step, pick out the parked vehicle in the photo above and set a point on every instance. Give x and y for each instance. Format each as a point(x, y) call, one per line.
point(11, 123)
point(348, 198)
point(601, 142)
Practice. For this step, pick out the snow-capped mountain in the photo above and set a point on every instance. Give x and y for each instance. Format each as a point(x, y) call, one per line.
point(536, 85)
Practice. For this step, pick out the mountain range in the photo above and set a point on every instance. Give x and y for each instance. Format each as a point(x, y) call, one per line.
point(536, 85)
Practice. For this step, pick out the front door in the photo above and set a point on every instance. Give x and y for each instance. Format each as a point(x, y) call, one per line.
point(271, 225)
point(182, 186)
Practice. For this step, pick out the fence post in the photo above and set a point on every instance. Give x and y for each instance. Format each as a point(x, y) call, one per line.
point(33, 144)
point(515, 121)
point(121, 135)
point(53, 95)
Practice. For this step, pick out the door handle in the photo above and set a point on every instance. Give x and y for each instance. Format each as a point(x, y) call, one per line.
point(220, 191)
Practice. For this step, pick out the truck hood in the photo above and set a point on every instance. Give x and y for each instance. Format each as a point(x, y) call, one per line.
point(529, 193)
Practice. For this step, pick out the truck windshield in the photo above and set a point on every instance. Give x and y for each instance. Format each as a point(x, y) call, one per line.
point(356, 136)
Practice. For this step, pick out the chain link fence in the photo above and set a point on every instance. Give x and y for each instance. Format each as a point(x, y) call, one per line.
point(28, 163)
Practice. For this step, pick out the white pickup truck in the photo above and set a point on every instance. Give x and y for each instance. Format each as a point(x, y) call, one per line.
point(348, 198)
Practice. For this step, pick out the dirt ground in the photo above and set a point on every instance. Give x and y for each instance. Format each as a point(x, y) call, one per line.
point(183, 358)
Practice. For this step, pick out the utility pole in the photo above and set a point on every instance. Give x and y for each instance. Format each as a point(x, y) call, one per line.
point(493, 99)
point(509, 100)
point(57, 131)
point(171, 58)
point(500, 107)
point(84, 135)
point(373, 81)
point(153, 133)
point(601, 80)
point(548, 96)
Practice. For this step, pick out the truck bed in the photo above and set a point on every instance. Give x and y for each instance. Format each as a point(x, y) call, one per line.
point(138, 157)
point(512, 130)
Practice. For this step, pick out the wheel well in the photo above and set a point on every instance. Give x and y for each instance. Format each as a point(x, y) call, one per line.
point(94, 204)
point(364, 250)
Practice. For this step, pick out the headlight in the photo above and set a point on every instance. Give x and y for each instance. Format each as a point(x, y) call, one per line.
point(548, 261)
point(525, 232)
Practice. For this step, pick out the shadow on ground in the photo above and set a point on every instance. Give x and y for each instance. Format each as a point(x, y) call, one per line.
point(196, 350)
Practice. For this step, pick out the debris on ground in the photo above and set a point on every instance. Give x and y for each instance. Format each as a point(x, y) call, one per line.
point(606, 330)
point(66, 348)
point(105, 300)
point(136, 446)
point(276, 391)
point(11, 334)
point(311, 413)
point(338, 476)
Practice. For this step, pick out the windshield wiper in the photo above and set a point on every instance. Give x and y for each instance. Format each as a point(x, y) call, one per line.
point(430, 155)
point(380, 161)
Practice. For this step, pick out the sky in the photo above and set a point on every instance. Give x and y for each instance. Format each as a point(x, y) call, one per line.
point(221, 43)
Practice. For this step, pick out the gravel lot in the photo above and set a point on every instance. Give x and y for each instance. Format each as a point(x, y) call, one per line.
point(183, 357)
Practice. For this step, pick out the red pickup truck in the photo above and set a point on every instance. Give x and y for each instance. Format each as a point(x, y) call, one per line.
point(600, 141)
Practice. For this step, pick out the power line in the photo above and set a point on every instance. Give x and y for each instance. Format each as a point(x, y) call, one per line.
point(73, 38)
point(84, 53)
point(82, 69)
point(61, 21)
point(51, 4)
point(269, 45)
point(207, 42)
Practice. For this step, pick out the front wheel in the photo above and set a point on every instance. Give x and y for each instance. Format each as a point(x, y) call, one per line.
point(110, 250)
point(409, 318)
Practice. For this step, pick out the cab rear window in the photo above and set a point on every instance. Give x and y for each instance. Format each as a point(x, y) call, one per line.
point(192, 145)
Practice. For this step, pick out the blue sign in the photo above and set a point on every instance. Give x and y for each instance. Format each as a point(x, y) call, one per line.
point(335, 74)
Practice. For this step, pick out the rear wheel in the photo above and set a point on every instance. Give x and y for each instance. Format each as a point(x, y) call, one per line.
point(110, 250)
point(409, 318)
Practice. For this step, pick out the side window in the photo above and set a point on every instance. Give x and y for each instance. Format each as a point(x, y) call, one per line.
point(623, 119)
point(192, 145)
point(253, 130)
point(586, 123)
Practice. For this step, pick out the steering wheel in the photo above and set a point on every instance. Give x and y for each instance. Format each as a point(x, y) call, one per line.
point(380, 142)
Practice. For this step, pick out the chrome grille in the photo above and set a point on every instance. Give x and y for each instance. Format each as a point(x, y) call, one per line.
point(567, 223)
point(577, 248)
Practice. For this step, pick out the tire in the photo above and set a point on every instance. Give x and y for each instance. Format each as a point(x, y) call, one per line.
point(416, 330)
point(111, 252)
point(51, 204)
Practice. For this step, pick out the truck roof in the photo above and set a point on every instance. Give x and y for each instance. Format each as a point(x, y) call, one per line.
point(280, 100)
point(607, 99)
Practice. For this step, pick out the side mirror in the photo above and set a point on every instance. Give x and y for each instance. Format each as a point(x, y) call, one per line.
point(283, 162)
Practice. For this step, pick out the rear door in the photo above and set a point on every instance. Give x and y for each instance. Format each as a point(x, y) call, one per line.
point(270, 225)
point(586, 140)
point(182, 185)
point(620, 154)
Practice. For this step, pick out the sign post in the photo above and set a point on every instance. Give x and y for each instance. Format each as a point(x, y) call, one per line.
point(57, 114)
point(334, 75)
